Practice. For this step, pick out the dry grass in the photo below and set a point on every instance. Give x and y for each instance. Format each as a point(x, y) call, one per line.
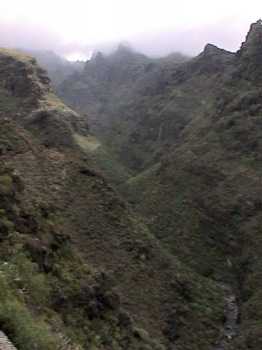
point(87, 143)
point(16, 54)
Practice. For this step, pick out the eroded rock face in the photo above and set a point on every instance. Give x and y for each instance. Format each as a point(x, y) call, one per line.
point(27, 97)
point(250, 54)
point(22, 79)
point(253, 40)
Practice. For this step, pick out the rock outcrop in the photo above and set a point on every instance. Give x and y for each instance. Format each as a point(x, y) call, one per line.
point(250, 53)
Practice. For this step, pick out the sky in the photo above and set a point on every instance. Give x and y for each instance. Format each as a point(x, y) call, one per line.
point(155, 27)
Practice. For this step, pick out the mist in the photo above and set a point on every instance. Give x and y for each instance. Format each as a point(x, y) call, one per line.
point(76, 29)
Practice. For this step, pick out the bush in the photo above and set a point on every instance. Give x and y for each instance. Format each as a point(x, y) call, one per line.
point(24, 330)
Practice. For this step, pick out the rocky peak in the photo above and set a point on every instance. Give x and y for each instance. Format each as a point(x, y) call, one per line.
point(211, 60)
point(250, 53)
point(98, 58)
point(26, 96)
point(97, 67)
point(125, 55)
point(124, 49)
point(253, 39)
point(21, 77)
point(211, 49)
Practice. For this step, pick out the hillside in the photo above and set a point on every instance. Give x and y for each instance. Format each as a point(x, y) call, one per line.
point(126, 96)
point(190, 130)
point(205, 193)
point(80, 270)
point(58, 68)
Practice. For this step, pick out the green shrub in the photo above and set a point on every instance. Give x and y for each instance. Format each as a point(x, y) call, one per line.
point(25, 330)
point(6, 184)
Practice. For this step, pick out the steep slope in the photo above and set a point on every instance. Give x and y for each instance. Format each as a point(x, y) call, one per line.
point(127, 97)
point(58, 68)
point(203, 199)
point(78, 269)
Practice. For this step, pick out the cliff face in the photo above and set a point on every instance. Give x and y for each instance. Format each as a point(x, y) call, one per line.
point(79, 270)
point(250, 53)
point(22, 81)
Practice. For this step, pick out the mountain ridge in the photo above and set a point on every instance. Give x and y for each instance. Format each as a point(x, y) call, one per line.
point(78, 264)
point(193, 139)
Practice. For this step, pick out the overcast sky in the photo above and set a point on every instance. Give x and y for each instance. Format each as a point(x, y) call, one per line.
point(153, 26)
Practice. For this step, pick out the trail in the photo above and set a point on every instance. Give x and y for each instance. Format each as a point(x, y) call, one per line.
point(230, 329)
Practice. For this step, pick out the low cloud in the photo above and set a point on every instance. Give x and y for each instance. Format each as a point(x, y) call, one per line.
point(67, 37)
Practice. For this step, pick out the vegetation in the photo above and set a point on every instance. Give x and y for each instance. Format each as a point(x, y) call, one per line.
point(126, 97)
point(190, 134)
point(80, 268)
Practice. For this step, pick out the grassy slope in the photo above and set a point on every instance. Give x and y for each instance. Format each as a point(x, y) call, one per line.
point(103, 159)
point(75, 261)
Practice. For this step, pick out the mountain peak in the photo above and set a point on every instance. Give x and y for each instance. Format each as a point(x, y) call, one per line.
point(125, 47)
point(250, 52)
point(253, 38)
point(124, 52)
point(255, 31)
point(98, 57)
point(210, 49)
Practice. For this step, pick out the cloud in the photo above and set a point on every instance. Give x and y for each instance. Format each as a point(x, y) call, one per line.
point(154, 27)
point(21, 34)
